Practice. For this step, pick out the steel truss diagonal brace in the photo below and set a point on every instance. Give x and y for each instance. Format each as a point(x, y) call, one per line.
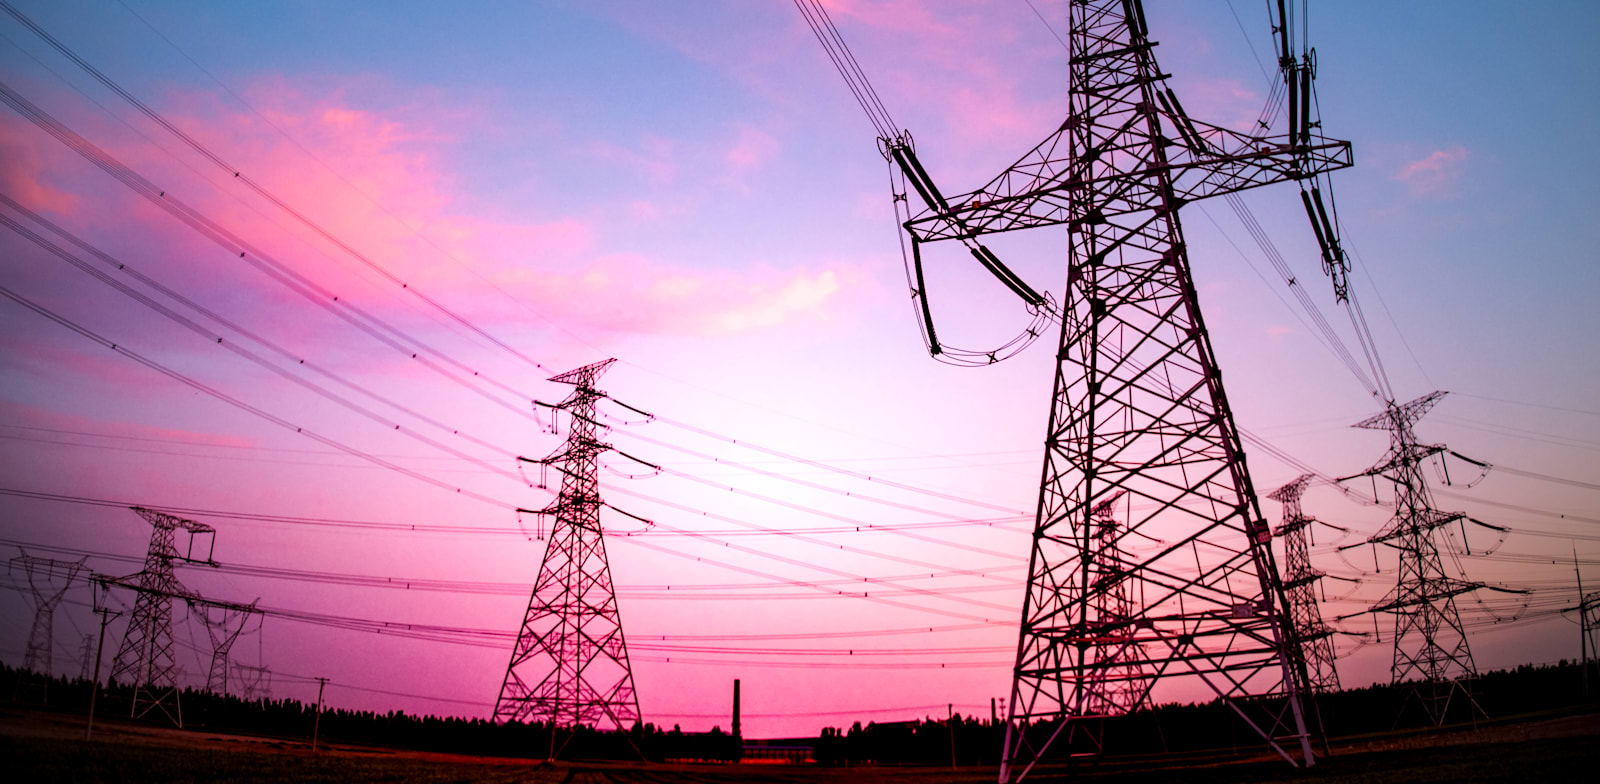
point(1139, 417)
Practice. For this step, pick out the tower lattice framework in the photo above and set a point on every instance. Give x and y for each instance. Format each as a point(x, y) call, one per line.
point(48, 582)
point(224, 624)
point(146, 658)
point(1137, 406)
point(1430, 644)
point(1313, 637)
point(255, 682)
point(1122, 687)
point(570, 665)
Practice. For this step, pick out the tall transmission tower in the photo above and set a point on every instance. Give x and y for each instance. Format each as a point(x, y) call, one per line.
point(570, 664)
point(1313, 637)
point(1138, 405)
point(1430, 644)
point(48, 581)
point(146, 658)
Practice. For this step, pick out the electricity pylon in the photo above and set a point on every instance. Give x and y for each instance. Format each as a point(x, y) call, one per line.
point(1123, 685)
point(48, 581)
point(1312, 635)
point(1430, 644)
point(1138, 405)
point(255, 683)
point(224, 624)
point(86, 658)
point(146, 657)
point(570, 664)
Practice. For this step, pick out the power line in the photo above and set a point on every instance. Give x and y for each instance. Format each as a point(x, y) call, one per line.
point(373, 326)
point(211, 156)
point(521, 302)
point(240, 404)
point(215, 339)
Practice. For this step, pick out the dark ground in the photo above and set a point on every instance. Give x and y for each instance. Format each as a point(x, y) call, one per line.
point(41, 746)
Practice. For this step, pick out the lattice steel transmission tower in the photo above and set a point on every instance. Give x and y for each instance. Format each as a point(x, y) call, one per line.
point(255, 683)
point(1123, 684)
point(1430, 644)
point(86, 658)
point(1138, 405)
point(570, 664)
point(1313, 637)
point(48, 582)
point(224, 624)
point(146, 657)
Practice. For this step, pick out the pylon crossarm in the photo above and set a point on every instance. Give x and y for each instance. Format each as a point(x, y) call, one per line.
point(1418, 522)
point(1005, 205)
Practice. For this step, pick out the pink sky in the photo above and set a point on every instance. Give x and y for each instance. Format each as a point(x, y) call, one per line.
point(695, 194)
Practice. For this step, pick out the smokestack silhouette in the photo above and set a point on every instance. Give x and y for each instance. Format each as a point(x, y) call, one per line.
point(738, 734)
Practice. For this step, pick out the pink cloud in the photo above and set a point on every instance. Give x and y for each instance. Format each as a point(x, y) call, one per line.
point(21, 414)
point(752, 149)
point(655, 157)
point(23, 171)
point(1436, 175)
point(1223, 102)
point(46, 353)
point(627, 292)
point(955, 72)
point(644, 210)
point(911, 16)
point(556, 264)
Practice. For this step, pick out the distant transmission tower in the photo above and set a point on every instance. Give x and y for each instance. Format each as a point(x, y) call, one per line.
point(570, 664)
point(1314, 637)
point(1138, 405)
point(1123, 685)
point(48, 581)
point(224, 624)
point(1430, 644)
point(86, 658)
point(255, 683)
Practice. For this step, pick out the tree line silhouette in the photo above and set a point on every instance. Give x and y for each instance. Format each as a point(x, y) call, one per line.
point(1170, 728)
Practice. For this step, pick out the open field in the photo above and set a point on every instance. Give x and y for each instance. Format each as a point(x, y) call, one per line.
point(48, 747)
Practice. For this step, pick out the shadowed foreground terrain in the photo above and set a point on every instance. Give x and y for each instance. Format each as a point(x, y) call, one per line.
point(40, 746)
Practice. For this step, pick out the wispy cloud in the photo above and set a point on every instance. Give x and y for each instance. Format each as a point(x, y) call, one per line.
point(23, 172)
point(562, 264)
point(752, 149)
point(1435, 175)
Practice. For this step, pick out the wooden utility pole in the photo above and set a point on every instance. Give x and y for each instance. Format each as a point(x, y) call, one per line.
point(94, 688)
point(316, 725)
point(1583, 622)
